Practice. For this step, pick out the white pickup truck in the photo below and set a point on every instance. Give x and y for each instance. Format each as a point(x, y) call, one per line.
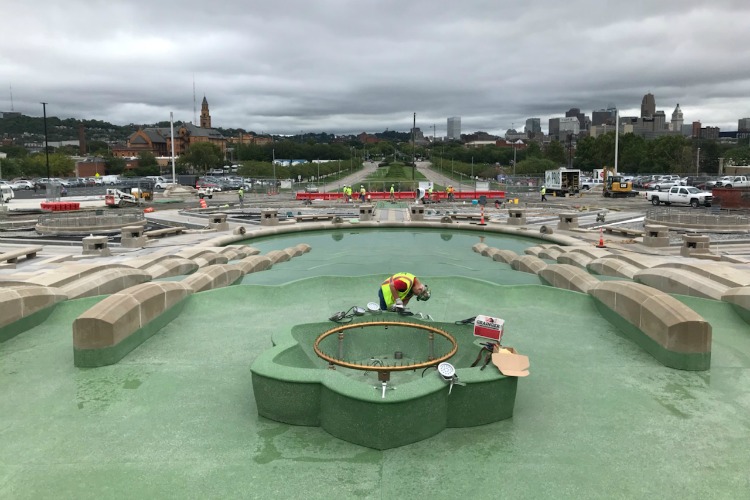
point(737, 181)
point(681, 195)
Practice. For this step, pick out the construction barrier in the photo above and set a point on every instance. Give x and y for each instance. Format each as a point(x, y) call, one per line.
point(60, 206)
point(401, 195)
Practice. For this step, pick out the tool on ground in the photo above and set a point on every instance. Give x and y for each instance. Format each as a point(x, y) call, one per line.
point(488, 348)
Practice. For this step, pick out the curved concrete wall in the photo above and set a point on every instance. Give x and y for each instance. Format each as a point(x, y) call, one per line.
point(67, 273)
point(18, 303)
point(113, 327)
point(568, 277)
point(574, 259)
point(254, 264)
point(528, 264)
point(613, 267)
point(549, 253)
point(669, 330)
point(214, 276)
point(301, 249)
point(505, 256)
point(534, 250)
point(173, 266)
point(105, 282)
point(672, 280)
point(726, 275)
point(277, 256)
point(740, 300)
point(480, 248)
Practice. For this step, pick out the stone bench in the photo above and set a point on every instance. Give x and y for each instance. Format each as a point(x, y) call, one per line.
point(159, 233)
point(314, 218)
point(23, 302)
point(568, 277)
point(108, 331)
point(666, 328)
point(469, 217)
point(12, 256)
point(633, 233)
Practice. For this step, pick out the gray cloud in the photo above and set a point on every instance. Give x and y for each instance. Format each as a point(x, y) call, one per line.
point(349, 66)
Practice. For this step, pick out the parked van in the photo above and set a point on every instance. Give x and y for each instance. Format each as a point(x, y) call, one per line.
point(6, 193)
point(110, 180)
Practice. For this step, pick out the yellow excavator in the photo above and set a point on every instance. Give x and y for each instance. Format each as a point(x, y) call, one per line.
point(615, 186)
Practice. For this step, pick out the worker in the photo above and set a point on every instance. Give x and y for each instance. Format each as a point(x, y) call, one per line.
point(362, 193)
point(396, 291)
point(393, 193)
point(429, 193)
point(544, 192)
point(343, 193)
point(349, 193)
point(241, 195)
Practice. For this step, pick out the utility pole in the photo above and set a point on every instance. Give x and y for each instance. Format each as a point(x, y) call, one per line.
point(414, 148)
point(46, 144)
point(698, 161)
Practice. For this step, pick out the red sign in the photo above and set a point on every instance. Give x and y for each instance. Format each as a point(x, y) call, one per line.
point(488, 327)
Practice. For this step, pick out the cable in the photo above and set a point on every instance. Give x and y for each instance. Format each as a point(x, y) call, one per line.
point(466, 321)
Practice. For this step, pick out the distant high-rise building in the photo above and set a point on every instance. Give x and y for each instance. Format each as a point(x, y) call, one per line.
point(743, 125)
point(583, 120)
point(602, 117)
point(570, 124)
point(533, 126)
point(454, 128)
point(554, 127)
point(677, 119)
point(648, 106)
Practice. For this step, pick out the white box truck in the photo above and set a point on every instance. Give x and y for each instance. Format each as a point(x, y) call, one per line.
point(562, 181)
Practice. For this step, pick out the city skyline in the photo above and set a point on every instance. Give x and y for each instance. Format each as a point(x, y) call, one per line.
point(293, 66)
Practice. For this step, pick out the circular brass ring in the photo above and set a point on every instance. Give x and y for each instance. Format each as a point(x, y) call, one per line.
point(414, 366)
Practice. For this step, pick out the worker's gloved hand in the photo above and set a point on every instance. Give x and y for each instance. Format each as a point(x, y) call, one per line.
point(399, 305)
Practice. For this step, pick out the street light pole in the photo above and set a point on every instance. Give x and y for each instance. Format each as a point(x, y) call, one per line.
point(698, 162)
point(515, 146)
point(46, 144)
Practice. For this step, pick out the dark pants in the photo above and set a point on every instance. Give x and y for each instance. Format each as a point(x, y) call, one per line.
point(383, 305)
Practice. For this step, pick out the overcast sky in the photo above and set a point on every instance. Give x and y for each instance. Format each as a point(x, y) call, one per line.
point(341, 66)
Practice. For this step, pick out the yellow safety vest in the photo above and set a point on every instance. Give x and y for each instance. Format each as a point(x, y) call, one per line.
point(386, 288)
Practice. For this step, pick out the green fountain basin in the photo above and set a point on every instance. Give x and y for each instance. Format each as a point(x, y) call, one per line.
point(293, 385)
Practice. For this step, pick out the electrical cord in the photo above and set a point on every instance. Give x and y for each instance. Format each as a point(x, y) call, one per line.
point(347, 316)
point(466, 321)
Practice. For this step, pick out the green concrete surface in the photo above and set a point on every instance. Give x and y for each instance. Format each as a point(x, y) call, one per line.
point(598, 417)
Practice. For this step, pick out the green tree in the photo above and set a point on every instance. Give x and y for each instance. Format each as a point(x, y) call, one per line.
point(114, 165)
point(737, 156)
point(14, 151)
point(555, 152)
point(534, 166)
point(202, 157)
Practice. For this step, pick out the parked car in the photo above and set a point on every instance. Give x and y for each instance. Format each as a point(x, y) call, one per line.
point(695, 180)
point(22, 184)
point(311, 188)
point(664, 184)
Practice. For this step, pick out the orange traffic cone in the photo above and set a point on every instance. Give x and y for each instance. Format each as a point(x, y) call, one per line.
point(203, 203)
point(481, 221)
point(601, 240)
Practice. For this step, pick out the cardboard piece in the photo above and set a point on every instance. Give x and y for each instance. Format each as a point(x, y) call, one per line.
point(510, 363)
point(488, 327)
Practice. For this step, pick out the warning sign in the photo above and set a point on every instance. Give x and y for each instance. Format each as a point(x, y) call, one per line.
point(488, 327)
